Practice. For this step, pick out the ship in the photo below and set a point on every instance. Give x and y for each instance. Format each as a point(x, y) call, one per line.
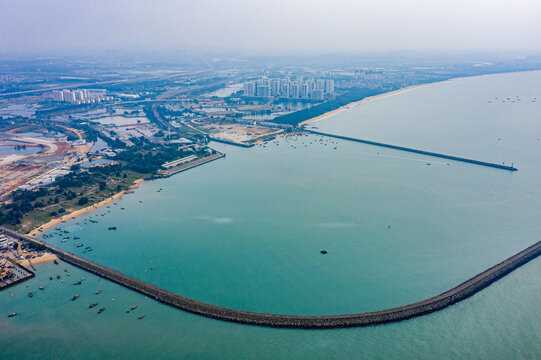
point(41, 288)
point(30, 294)
point(98, 292)
point(92, 305)
point(12, 314)
point(141, 316)
point(101, 310)
point(134, 307)
point(75, 297)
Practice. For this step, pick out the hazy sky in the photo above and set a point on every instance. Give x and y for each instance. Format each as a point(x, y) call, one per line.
point(272, 25)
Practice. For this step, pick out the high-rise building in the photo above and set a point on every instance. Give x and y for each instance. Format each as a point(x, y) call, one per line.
point(249, 89)
point(58, 95)
point(317, 94)
point(329, 86)
point(320, 84)
point(263, 91)
point(275, 87)
point(294, 90)
point(304, 92)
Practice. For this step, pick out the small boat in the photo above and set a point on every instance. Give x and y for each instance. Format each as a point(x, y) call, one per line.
point(30, 294)
point(112, 227)
point(152, 268)
point(75, 297)
point(56, 262)
point(12, 314)
point(76, 238)
point(134, 307)
point(50, 277)
point(323, 252)
point(41, 288)
point(141, 316)
point(101, 310)
point(78, 283)
point(98, 292)
point(64, 240)
point(92, 305)
point(79, 245)
point(68, 274)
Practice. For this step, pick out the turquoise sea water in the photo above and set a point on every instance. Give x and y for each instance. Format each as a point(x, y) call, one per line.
point(246, 232)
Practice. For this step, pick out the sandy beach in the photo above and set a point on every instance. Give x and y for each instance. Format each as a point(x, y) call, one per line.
point(73, 215)
point(46, 257)
point(367, 99)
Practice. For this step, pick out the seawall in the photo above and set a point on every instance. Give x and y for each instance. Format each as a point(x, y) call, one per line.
point(416, 151)
point(439, 302)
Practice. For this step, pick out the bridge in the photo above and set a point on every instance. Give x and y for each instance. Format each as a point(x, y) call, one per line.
point(416, 151)
point(437, 303)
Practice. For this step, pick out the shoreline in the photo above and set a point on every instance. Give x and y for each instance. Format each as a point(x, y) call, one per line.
point(46, 257)
point(370, 98)
point(54, 222)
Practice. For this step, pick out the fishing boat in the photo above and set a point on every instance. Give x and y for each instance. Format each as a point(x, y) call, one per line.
point(152, 268)
point(30, 294)
point(12, 314)
point(98, 292)
point(75, 297)
point(141, 316)
point(323, 252)
point(41, 288)
point(112, 227)
point(101, 310)
point(134, 307)
point(92, 305)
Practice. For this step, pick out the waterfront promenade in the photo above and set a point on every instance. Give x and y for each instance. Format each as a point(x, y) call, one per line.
point(439, 302)
point(416, 151)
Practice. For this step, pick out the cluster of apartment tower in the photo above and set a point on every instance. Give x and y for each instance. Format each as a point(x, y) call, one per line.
point(78, 97)
point(285, 88)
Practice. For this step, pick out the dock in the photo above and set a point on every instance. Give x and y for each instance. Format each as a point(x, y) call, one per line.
point(188, 165)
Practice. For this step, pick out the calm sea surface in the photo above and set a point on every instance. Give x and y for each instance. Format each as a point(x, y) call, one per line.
point(246, 232)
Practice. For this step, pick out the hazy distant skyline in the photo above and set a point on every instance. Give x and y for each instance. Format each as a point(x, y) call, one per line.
point(279, 26)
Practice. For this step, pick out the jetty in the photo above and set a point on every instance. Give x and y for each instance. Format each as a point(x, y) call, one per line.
point(436, 303)
point(416, 151)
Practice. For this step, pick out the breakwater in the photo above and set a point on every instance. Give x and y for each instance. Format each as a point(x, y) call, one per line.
point(244, 145)
point(417, 151)
point(439, 302)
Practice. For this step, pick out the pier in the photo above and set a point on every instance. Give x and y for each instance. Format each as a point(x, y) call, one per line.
point(189, 165)
point(416, 151)
point(437, 303)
